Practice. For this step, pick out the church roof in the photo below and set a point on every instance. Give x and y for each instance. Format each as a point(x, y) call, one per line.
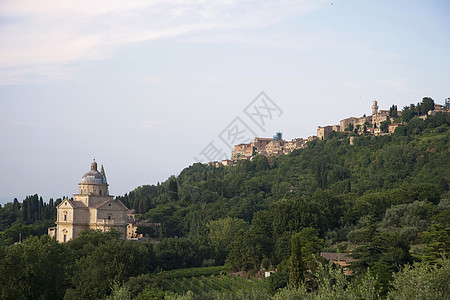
point(94, 176)
point(110, 201)
point(71, 204)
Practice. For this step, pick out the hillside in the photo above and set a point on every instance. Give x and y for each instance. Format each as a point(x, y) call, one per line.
point(383, 200)
point(412, 164)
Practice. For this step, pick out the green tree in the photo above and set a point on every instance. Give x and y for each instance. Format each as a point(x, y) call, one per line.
point(38, 268)
point(305, 246)
point(88, 241)
point(261, 163)
point(114, 261)
point(427, 105)
point(173, 189)
point(242, 253)
point(408, 112)
point(437, 242)
point(422, 281)
point(222, 232)
point(384, 126)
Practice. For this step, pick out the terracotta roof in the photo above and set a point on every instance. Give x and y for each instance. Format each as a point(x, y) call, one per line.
point(337, 256)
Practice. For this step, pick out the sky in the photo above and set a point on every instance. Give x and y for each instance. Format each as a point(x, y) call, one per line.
point(148, 88)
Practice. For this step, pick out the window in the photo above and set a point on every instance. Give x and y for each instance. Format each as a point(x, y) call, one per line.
point(65, 238)
point(109, 217)
point(100, 192)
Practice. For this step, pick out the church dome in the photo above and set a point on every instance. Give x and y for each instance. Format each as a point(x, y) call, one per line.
point(94, 176)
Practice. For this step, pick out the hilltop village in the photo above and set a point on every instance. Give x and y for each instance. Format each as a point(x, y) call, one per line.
point(379, 123)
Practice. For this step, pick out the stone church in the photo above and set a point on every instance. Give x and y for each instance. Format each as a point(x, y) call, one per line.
point(92, 208)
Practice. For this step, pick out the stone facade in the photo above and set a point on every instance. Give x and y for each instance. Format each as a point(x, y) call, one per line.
point(344, 124)
point(242, 151)
point(275, 146)
point(261, 143)
point(394, 126)
point(92, 208)
point(323, 132)
point(297, 143)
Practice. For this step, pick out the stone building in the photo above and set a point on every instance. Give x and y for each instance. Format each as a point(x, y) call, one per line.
point(323, 132)
point(394, 126)
point(261, 143)
point(242, 151)
point(345, 123)
point(275, 146)
point(92, 208)
point(297, 143)
point(378, 116)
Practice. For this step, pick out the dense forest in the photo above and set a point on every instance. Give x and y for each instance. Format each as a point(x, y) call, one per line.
point(384, 200)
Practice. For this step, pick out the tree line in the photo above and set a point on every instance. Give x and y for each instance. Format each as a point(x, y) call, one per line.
point(384, 200)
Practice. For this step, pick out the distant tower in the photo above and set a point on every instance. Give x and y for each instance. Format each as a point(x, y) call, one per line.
point(374, 108)
point(278, 136)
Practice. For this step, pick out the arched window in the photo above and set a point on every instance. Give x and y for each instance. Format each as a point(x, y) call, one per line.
point(65, 216)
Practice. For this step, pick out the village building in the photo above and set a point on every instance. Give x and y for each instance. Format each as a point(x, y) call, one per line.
point(226, 162)
point(92, 208)
point(242, 151)
point(297, 143)
point(378, 116)
point(342, 259)
point(148, 229)
point(260, 144)
point(438, 108)
point(275, 146)
point(392, 127)
point(345, 123)
point(323, 132)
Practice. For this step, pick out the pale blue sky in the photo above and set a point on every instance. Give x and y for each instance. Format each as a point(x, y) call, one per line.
point(144, 88)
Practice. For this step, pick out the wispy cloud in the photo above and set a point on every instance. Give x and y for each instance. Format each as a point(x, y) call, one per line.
point(37, 36)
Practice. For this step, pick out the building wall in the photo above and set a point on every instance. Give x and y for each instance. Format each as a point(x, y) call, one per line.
point(323, 132)
point(261, 143)
point(344, 123)
point(336, 128)
point(73, 219)
point(93, 189)
point(242, 151)
point(275, 148)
